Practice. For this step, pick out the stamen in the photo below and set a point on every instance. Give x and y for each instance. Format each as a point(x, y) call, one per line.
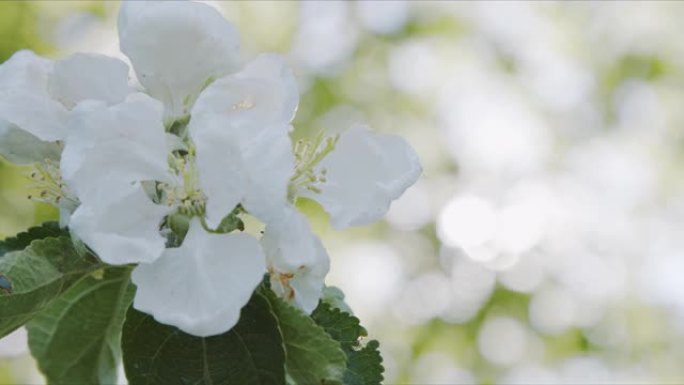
point(308, 154)
point(47, 181)
point(185, 195)
point(245, 104)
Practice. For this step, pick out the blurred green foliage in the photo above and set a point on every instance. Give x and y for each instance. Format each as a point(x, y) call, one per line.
point(18, 29)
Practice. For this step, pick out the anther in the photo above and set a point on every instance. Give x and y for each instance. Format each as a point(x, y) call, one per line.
point(244, 105)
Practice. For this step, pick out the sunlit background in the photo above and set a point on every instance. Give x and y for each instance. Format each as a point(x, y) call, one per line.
point(544, 242)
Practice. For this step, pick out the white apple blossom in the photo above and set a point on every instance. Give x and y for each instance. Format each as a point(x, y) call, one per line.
point(241, 120)
point(154, 175)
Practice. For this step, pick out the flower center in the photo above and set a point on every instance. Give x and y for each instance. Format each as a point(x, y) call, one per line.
point(284, 279)
point(185, 193)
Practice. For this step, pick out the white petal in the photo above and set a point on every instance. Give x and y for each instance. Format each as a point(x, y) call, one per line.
point(269, 165)
point(284, 91)
point(24, 100)
point(365, 172)
point(288, 241)
point(20, 147)
point(88, 76)
point(308, 283)
point(235, 168)
point(297, 260)
point(121, 144)
point(221, 170)
point(25, 69)
point(176, 49)
point(201, 286)
point(122, 230)
point(263, 93)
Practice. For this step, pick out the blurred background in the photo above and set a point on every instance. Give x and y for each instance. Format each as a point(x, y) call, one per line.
point(544, 242)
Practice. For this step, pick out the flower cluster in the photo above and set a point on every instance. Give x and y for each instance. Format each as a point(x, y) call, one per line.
point(163, 173)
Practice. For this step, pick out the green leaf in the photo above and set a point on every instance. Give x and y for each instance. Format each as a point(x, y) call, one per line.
point(364, 363)
point(37, 275)
point(364, 367)
point(341, 326)
point(250, 353)
point(77, 339)
point(313, 357)
point(22, 240)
